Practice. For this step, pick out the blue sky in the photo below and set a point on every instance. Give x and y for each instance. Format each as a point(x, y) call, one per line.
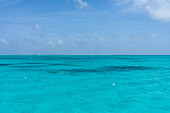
point(85, 27)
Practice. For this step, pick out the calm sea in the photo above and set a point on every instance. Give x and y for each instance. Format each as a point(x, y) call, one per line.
point(84, 84)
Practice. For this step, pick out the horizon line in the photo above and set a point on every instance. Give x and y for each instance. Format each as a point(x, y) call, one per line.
point(90, 54)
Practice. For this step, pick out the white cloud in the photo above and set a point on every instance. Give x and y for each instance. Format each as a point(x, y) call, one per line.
point(81, 4)
point(154, 35)
point(156, 9)
point(60, 42)
point(37, 26)
point(79, 40)
point(51, 43)
point(5, 3)
point(121, 2)
point(3, 41)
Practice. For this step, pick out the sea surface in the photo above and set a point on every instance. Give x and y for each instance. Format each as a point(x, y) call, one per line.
point(84, 84)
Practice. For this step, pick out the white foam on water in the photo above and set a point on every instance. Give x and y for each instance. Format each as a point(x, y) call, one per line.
point(10, 86)
point(114, 84)
point(25, 77)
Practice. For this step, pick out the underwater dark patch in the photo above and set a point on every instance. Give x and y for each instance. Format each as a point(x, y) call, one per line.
point(5, 64)
point(53, 72)
point(125, 58)
point(132, 59)
point(33, 63)
point(13, 58)
point(33, 66)
point(138, 61)
point(58, 58)
point(63, 65)
point(109, 69)
point(126, 68)
point(82, 70)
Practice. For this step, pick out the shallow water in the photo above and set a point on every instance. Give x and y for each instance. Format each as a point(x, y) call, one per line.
point(84, 84)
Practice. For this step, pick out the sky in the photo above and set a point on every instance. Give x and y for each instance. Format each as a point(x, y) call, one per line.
point(85, 27)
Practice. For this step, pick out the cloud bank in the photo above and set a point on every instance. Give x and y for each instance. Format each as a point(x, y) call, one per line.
point(37, 27)
point(81, 4)
point(3, 41)
point(156, 9)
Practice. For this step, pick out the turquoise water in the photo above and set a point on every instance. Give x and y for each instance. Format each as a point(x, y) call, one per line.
point(84, 84)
